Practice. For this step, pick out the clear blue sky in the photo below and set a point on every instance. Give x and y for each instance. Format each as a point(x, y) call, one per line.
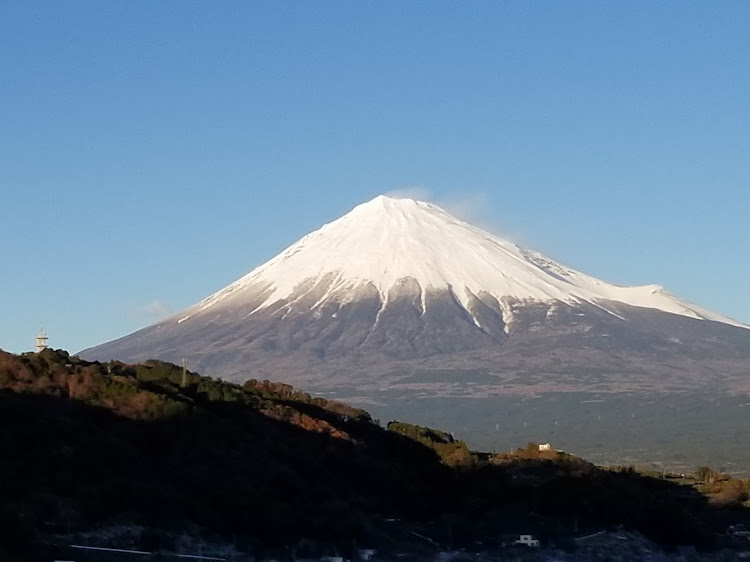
point(153, 152)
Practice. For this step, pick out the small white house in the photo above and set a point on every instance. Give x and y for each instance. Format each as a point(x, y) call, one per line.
point(545, 447)
point(528, 540)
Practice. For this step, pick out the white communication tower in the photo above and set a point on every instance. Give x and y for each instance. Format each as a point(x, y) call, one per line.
point(41, 340)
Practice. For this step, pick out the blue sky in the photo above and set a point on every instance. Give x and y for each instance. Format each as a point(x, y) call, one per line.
point(153, 152)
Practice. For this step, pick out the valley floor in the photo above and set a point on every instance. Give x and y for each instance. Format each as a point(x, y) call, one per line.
point(674, 433)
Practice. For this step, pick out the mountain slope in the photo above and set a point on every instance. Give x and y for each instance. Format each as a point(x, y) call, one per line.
point(397, 285)
point(383, 242)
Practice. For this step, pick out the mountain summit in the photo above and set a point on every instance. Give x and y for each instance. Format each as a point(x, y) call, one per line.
point(388, 243)
point(399, 285)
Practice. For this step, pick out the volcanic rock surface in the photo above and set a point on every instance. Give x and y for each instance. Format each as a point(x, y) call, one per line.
point(399, 295)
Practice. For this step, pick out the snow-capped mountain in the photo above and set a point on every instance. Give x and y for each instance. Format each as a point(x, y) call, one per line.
point(397, 286)
point(387, 242)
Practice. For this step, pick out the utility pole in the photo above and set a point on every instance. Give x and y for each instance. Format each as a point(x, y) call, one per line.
point(184, 372)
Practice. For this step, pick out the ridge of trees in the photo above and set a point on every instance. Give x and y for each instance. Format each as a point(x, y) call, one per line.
point(88, 443)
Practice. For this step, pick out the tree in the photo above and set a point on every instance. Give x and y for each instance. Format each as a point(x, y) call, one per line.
point(706, 474)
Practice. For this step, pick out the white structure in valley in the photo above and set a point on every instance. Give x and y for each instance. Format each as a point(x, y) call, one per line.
point(528, 540)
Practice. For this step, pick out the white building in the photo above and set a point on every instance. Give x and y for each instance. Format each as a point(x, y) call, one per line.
point(528, 540)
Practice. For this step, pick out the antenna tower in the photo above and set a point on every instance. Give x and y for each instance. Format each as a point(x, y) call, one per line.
point(41, 340)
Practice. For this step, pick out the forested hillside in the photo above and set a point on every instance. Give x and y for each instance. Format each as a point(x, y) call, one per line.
point(89, 445)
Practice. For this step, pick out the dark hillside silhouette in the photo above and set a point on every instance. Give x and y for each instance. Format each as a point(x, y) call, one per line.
point(86, 445)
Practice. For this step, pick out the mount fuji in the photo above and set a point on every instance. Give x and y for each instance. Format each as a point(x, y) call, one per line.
point(400, 295)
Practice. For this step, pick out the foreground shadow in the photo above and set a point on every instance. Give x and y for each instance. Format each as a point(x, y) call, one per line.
point(265, 465)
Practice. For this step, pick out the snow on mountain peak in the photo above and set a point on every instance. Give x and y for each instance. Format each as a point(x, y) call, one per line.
point(388, 239)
